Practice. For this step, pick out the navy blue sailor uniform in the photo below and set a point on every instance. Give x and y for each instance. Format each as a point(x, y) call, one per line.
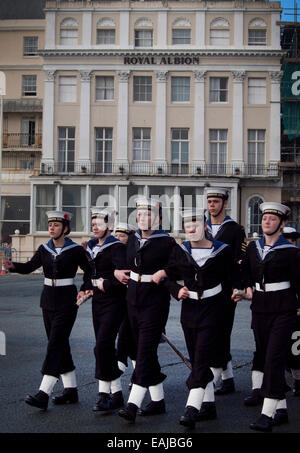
point(108, 306)
point(203, 312)
point(147, 303)
point(58, 299)
point(233, 234)
point(275, 275)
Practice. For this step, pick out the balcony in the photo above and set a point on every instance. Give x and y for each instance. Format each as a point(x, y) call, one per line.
point(21, 162)
point(154, 169)
point(21, 141)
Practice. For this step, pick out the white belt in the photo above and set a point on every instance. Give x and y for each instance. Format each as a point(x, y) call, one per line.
point(207, 293)
point(95, 282)
point(59, 281)
point(140, 278)
point(272, 286)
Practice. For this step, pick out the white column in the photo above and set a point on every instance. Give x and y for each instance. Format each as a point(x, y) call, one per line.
point(177, 210)
point(200, 28)
point(47, 164)
point(275, 31)
point(162, 29)
point(87, 29)
point(237, 155)
point(122, 132)
point(50, 30)
point(198, 163)
point(161, 120)
point(238, 28)
point(274, 135)
point(124, 28)
point(84, 127)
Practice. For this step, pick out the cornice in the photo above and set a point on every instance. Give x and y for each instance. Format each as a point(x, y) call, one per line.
point(159, 53)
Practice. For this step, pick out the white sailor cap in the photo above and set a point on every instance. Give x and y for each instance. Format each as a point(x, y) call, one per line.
point(290, 232)
point(148, 203)
point(103, 213)
point(123, 228)
point(217, 192)
point(272, 207)
point(59, 216)
point(192, 215)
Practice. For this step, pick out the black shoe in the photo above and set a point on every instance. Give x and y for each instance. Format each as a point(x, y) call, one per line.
point(255, 399)
point(69, 396)
point(280, 417)
point(153, 408)
point(207, 412)
point(104, 403)
point(39, 400)
point(189, 417)
point(227, 386)
point(263, 423)
point(129, 412)
point(117, 400)
point(297, 387)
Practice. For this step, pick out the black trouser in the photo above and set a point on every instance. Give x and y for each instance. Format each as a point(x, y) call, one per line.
point(126, 346)
point(272, 333)
point(201, 344)
point(226, 329)
point(107, 318)
point(147, 324)
point(58, 325)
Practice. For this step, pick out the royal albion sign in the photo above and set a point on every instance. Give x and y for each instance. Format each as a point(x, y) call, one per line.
point(178, 60)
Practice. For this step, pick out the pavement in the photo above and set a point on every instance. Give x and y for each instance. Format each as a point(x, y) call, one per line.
point(21, 321)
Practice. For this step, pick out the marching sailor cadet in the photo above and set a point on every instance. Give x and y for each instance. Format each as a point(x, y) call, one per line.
point(271, 266)
point(293, 358)
point(125, 343)
point(205, 266)
point(223, 228)
point(60, 259)
point(148, 301)
point(106, 253)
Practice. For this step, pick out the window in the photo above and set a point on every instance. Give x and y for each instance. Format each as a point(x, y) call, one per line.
point(141, 144)
point(103, 148)
point(256, 151)
point(181, 36)
point(15, 215)
point(256, 91)
point(143, 38)
point(254, 216)
point(69, 32)
point(66, 149)
point(180, 89)
point(45, 200)
point(67, 91)
point(218, 89)
point(74, 201)
point(219, 32)
point(30, 46)
point(218, 150)
point(127, 203)
point(28, 131)
point(165, 194)
point(106, 36)
point(180, 150)
point(142, 88)
point(104, 88)
point(106, 31)
point(257, 33)
point(29, 85)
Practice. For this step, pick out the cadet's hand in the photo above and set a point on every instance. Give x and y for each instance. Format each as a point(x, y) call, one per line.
point(84, 244)
point(8, 264)
point(298, 312)
point(183, 293)
point(122, 276)
point(156, 278)
point(249, 293)
point(80, 294)
point(238, 295)
point(100, 284)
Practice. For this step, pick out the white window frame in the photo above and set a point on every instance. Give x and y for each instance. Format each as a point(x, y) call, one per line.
point(180, 92)
point(67, 89)
point(29, 85)
point(179, 165)
point(141, 147)
point(256, 159)
point(101, 143)
point(217, 91)
point(30, 46)
point(142, 88)
point(257, 90)
point(218, 149)
point(108, 88)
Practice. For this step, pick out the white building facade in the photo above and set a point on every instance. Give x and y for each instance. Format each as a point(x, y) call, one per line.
point(160, 98)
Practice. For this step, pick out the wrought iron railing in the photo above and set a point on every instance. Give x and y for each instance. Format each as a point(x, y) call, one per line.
point(21, 140)
point(154, 169)
point(21, 161)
